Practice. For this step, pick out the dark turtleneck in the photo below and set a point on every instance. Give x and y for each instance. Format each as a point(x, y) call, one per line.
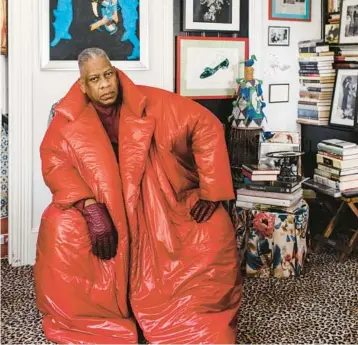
point(109, 117)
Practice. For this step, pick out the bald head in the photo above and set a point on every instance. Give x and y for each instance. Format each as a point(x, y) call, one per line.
point(88, 54)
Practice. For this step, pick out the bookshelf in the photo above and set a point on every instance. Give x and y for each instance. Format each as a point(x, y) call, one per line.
point(312, 134)
point(328, 8)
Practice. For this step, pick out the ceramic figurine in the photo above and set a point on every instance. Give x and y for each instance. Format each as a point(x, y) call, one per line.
point(248, 107)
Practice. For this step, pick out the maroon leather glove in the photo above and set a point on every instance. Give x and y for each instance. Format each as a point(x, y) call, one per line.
point(102, 233)
point(203, 210)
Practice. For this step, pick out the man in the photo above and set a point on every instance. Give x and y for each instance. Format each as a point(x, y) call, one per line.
point(142, 239)
point(347, 86)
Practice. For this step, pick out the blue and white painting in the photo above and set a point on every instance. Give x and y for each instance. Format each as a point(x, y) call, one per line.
point(112, 25)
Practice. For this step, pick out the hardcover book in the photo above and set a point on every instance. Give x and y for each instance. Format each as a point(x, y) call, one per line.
point(339, 143)
point(261, 169)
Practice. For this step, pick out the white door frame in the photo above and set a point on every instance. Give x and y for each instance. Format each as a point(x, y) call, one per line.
point(21, 45)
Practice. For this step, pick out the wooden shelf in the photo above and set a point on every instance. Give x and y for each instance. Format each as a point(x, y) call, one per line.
point(329, 127)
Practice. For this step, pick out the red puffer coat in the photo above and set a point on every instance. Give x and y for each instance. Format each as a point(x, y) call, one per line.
point(177, 279)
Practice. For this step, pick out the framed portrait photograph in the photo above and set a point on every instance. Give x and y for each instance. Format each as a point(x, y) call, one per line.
point(120, 28)
point(279, 93)
point(296, 10)
point(207, 67)
point(211, 15)
point(344, 104)
point(278, 36)
point(349, 22)
point(331, 33)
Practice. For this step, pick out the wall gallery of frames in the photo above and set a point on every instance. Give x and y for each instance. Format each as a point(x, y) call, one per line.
point(211, 41)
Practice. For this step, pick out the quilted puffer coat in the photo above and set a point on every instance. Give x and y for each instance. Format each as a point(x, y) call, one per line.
point(177, 279)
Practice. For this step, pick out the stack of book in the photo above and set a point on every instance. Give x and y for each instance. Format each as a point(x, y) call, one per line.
point(259, 173)
point(346, 56)
point(337, 166)
point(317, 77)
point(261, 190)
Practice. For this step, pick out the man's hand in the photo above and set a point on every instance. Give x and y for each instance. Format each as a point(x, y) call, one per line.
point(102, 233)
point(203, 210)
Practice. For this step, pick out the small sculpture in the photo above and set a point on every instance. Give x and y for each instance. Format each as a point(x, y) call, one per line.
point(247, 108)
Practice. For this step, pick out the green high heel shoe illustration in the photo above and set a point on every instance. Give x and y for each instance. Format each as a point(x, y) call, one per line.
point(208, 71)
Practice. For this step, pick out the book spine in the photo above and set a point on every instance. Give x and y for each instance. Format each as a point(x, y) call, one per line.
point(325, 181)
point(331, 155)
point(309, 113)
point(330, 148)
point(335, 145)
point(270, 189)
point(326, 174)
point(263, 200)
point(246, 174)
point(332, 162)
point(329, 169)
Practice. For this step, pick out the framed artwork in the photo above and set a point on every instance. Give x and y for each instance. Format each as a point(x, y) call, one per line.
point(279, 93)
point(3, 23)
point(207, 67)
point(349, 22)
point(331, 33)
point(297, 10)
point(344, 105)
point(211, 15)
point(278, 36)
point(119, 27)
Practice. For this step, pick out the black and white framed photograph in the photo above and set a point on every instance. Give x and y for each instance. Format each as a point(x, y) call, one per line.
point(344, 105)
point(278, 36)
point(279, 93)
point(331, 33)
point(349, 22)
point(211, 15)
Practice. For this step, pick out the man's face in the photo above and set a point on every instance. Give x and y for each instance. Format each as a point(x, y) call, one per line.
point(99, 81)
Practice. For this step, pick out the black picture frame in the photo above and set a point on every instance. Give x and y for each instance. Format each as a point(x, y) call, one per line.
point(242, 15)
point(330, 26)
point(284, 100)
point(270, 28)
point(341, 27)
point(335, 103)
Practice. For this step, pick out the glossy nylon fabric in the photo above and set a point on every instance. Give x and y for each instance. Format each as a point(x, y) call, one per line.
point(181, 278)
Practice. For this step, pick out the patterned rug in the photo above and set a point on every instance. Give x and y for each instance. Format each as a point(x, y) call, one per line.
point(319, 307)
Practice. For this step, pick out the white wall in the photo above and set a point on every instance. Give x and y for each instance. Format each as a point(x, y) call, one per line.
point(282, 116)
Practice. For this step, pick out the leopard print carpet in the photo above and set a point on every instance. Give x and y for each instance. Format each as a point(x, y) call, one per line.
point(319, 307)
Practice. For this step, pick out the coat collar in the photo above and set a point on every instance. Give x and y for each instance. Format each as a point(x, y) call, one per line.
point(75, 102)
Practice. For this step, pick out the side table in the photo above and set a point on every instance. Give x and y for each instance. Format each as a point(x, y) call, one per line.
point(277, 242)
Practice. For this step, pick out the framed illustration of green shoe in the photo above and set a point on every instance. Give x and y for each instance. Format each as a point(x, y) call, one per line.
point(207, 67)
